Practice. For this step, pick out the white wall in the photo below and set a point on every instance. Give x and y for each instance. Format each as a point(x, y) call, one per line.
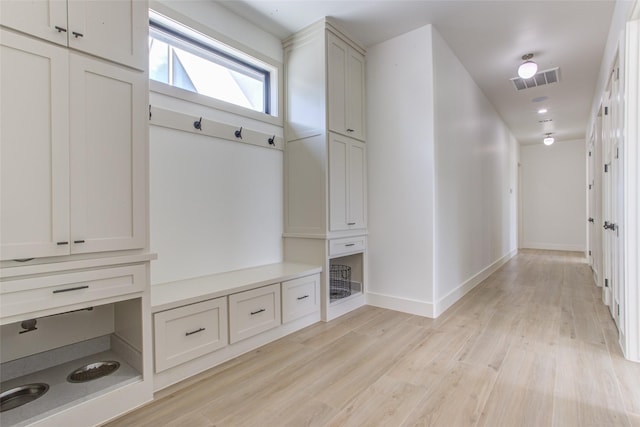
point(476, 179)
point(400, 166)
point(554, 196)
point(442, 177)
point(215, 205)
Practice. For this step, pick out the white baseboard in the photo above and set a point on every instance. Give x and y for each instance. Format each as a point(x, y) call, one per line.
point(405, 305)
point(452, 297)
point(553, 246)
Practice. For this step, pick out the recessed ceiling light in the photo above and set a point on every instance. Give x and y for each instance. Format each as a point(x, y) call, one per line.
point(542, 111)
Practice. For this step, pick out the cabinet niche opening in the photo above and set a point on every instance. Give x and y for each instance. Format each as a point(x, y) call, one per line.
point(59, 345)
point(345, 277)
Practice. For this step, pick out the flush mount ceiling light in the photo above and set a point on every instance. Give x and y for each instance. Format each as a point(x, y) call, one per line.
point(542, 111)
point(528, 68)
point(548, 139)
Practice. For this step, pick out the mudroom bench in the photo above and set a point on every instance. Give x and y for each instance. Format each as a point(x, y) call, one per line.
point(202, 322)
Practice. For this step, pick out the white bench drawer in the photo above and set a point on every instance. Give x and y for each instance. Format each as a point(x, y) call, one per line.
point(184, 333)
point(56, 291)
point(346, 246)
point(253, 312)
point(300, 297)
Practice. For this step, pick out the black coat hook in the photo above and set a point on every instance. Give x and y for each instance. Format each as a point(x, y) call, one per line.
point(238, 133)
point(272, 140)
point(198, 124)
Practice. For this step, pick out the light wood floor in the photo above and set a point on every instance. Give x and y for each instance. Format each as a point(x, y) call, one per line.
point(531, 346)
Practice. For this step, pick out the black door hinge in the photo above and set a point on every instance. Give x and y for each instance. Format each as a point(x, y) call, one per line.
point(589, 186)
point(606, 168)
point(589, 153)
point(618, 310)
point(606, 111)
point(617, 152)
point(589, 253)
point(606, 283)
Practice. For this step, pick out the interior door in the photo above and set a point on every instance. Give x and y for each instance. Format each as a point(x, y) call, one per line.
point(606, 200)
point(616, 197)
point(592, 207)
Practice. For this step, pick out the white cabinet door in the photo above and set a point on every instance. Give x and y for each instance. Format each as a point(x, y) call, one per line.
point(108, 116)
point(116, 30)
point(46, 19)
point(355, 95)
point(111, 29)
point(34, 134)
point(357, 185)
point(347, 183)
point(345, 78)
point(337, 58)
point(338, 178)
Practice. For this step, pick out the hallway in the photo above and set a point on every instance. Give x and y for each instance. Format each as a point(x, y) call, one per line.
point(532, 345)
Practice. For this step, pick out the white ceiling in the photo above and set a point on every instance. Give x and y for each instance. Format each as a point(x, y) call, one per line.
point(489, 38)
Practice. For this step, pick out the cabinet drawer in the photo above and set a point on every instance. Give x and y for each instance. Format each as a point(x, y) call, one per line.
point(253, 312)
point(346, 246)
point(42, 293)
point(188, 332)
point(300, 297)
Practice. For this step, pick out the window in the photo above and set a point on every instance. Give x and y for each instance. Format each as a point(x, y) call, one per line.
point(186, 59)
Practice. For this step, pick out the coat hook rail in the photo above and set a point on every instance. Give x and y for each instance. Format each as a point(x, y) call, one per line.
point(212, 128)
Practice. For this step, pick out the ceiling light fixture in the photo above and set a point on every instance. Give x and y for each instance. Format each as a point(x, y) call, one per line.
point(528, 68)
point(542, 111)
point(548, 139)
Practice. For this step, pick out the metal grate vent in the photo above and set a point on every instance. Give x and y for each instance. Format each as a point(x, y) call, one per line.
point(540, 79)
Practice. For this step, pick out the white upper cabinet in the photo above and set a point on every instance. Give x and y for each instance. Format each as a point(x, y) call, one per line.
point(34, 148)
point(347, 184)
point(111, 29)
point(346, 88)
point(72, 147)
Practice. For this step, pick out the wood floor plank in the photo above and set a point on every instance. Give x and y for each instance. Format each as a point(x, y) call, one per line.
point(457, 400)
point(523, 393)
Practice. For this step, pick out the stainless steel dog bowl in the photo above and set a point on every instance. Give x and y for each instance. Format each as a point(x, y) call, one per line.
point(19, 396)
point(93, 371)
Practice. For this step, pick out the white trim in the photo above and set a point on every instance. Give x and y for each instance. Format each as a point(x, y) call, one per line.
point(631, 299)
point(452, 297)
point(405, 305)
point(554, 246)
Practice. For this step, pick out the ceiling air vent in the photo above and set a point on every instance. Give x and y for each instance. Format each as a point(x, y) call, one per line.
point(539, 79)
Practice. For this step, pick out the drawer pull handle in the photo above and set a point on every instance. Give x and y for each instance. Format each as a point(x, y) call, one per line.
point(62, 243)
point(194, 332)
point(259, 311)
point(300, 298)
point(77, 288)
point(78, 241)
point(351, 223)
point(77, 34)
point(350, 244)
point(349, 130)
point(60, 29)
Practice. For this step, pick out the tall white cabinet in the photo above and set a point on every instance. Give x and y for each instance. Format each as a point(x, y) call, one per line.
point(73, 203)
point(325, 160)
